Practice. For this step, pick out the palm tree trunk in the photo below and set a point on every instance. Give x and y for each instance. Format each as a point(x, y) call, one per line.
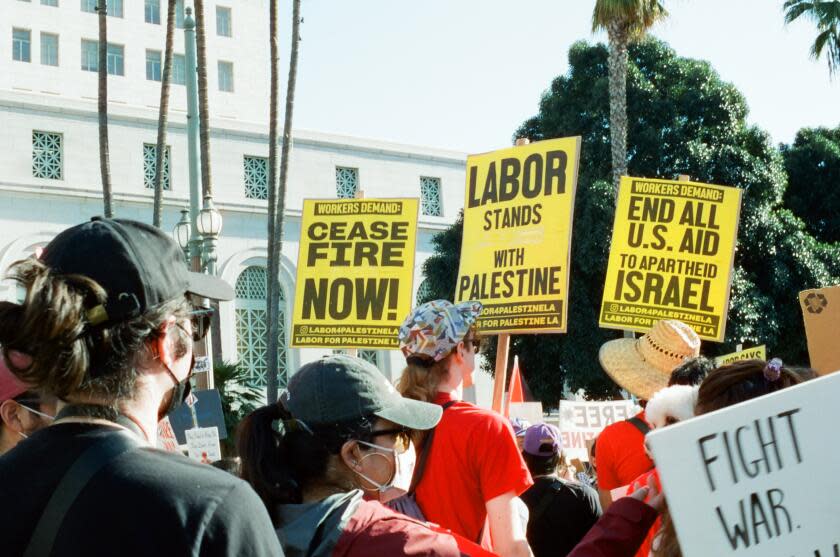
point(102, 70)
point(618, 38)
point(163, 113)
point(203, 111)
point(275, 221)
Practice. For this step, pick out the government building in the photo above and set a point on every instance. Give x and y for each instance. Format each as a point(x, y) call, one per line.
point(49, 154)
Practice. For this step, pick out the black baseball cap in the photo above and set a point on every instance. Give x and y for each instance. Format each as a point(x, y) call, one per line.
point(138, 265)
point(342, 388)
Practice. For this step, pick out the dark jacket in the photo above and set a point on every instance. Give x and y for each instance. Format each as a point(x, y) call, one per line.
point(620, 531)
point(345, 525)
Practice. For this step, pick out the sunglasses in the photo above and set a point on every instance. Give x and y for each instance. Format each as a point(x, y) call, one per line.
point(402, 438)
point(201, 318)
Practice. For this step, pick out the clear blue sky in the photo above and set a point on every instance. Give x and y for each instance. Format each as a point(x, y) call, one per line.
point(463, 74)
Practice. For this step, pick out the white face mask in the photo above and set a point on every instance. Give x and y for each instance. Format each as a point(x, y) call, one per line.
point(381, 488)
point(36, 412)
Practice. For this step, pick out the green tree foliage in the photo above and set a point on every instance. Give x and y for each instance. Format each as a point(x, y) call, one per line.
point(812, 163)
point(825, 14)
point(238, 399)
point(683, 119)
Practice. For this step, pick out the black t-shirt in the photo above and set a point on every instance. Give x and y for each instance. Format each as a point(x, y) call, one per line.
point(144, 502)
point(561, 513)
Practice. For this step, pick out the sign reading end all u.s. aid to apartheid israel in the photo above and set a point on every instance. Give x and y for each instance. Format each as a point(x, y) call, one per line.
point(671, 256)
point(758, 479)
point(355, 272)
point(517, 236)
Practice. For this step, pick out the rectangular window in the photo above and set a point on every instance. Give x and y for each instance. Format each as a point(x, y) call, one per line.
point(223, 26)
point(150, 166)
point(346, 182)
point(179, 14)
point(114, 8)
point(46, 155)
point(49, 3)
point(89, 6)
point(90, 55)
point(153, 65)
point(115, 59)
point(256, 177)
point(179, 69)
point(49, 49)
point(226, 76)
point(430, 197)
point(21, 45)
point(152, 11)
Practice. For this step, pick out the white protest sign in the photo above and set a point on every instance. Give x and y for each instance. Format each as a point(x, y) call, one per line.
point(166, 436)
point(758, 479)
point(202, 364)
point(530, 411)
point(203, 444)
point(581, 421)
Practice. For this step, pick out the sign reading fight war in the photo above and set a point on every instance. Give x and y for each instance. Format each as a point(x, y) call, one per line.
point(671, 256)
point(758, 479)
point(355, 272)
point(517, 235)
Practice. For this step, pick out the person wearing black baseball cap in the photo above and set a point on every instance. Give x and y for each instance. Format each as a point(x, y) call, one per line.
point(335, 435)
point(107, 327)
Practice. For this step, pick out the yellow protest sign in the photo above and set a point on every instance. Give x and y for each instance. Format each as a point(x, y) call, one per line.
point(756, 353)
point(671, 255)
point(355, 272)
point(517, 235)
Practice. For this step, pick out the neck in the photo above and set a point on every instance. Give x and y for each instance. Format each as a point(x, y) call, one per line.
point(452, 383)
point(7, 443)
point(142, 409)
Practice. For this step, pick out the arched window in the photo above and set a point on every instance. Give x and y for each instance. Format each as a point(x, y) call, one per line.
point(251, 323)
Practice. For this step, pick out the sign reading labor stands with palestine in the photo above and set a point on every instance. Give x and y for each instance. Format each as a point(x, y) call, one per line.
point(517, 235)
point(355, 272)
point(671, 256)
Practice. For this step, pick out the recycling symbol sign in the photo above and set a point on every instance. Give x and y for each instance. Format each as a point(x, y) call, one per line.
point(815, 302)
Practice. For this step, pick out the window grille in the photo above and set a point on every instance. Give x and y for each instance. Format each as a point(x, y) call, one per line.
point(430, 197)
point(150, 166)
point(256, 177)
point(346, 182)
point(46, 155)
point(251, 327)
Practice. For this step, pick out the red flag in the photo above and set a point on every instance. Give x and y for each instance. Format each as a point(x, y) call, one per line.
point(515, 391)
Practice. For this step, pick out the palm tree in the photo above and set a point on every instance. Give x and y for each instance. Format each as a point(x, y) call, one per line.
point(277, 192)
point(102, 71)
point(624, 21)
point(826, 14)
point(163, 112)
point(203, 111)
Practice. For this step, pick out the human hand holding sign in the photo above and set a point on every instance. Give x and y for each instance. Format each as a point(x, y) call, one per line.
point(650, 494)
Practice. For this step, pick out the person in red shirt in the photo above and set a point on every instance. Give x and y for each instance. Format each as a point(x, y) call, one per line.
point(473, 471)
point(642, 367)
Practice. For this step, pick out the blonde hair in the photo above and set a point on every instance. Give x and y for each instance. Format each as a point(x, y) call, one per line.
point(420, 382)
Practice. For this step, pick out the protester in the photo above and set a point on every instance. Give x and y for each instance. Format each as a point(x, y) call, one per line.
point(642, 367)
point(339, 429)
point(561, 511)
point(22, 410)
point(109, 327)
point(474, 471)
point(726, 386)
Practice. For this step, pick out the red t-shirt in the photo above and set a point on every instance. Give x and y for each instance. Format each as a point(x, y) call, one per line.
point(377, 530)
point(620, 454)
point(644, 549)
point(473, 459)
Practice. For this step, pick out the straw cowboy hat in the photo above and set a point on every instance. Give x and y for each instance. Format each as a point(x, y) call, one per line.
point(643, 366)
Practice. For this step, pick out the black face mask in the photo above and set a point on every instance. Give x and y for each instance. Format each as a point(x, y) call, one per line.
point(180, 392)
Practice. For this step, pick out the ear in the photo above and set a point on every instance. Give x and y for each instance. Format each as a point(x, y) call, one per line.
point(163, 345)
point(459, 353)
point(350, 454)
point(9, 415)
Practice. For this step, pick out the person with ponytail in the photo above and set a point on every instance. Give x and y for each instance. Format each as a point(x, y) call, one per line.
point(473, 470)
point(723, 387)
point(107, 328)
point(334, 436)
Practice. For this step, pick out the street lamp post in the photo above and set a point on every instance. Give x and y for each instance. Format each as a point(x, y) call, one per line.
point(192, 136)
point(183, 232)
point(209, 224)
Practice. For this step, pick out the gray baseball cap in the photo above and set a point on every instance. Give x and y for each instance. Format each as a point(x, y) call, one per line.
point(342, 388)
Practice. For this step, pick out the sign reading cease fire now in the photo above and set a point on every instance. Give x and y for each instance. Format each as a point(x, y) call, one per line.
point(355, 272)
